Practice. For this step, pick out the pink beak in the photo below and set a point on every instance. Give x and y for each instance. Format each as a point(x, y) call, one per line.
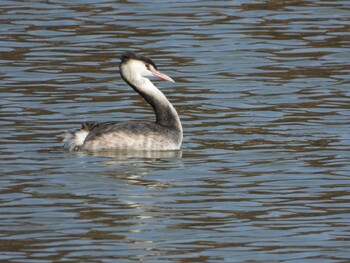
point(161, 76)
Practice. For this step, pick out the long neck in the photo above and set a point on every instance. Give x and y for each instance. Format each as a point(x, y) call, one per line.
point(166, 115)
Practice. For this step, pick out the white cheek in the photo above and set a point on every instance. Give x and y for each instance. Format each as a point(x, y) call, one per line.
point(144, 71)
point(134, 68)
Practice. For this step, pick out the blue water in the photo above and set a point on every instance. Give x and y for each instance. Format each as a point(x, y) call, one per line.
point(262, 89)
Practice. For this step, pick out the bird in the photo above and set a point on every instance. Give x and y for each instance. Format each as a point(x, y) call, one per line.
point(164, 134)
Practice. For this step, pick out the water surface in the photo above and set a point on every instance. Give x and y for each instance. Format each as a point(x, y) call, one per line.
point(262, 88)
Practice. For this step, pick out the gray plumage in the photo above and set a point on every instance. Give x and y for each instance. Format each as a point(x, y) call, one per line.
point(163, 134)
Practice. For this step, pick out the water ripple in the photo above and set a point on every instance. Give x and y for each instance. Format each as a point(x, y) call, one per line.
point(262, 91)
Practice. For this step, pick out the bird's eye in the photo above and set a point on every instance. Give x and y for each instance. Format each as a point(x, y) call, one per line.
point(148, 67)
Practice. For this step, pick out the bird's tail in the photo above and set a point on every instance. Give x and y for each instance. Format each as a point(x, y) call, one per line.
point(73, 140)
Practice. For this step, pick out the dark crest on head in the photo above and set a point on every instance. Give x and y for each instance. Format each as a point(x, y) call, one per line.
point(131, 55)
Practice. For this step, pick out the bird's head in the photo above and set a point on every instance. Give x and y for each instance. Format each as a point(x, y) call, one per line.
point(133, 66)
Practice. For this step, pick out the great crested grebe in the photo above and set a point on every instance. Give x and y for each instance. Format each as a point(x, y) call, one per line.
point(163, 134)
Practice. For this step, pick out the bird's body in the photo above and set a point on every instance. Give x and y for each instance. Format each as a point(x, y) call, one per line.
point(163, 134)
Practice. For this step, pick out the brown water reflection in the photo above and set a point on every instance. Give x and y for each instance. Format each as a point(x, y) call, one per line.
point(263, 93)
